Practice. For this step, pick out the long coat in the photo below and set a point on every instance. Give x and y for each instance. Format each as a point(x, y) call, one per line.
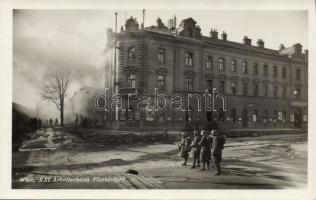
point(196, 148)
point(218, 145)
point(205, 148)
point(185, 147)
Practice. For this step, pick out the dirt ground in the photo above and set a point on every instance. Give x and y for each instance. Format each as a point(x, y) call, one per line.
point(58, 159)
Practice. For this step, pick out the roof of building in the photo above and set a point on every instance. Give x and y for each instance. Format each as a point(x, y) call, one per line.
point(286, 52)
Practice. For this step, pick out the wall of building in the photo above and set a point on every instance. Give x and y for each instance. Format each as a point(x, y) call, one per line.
point(148, 44)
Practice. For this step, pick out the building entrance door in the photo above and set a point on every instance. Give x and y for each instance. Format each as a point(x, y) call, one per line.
point(298, 118)
point(244, 118)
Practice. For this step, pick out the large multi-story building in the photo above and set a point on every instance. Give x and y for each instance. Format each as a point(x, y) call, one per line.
point(262, 87)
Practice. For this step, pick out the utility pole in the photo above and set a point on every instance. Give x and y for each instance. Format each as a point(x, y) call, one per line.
point(143, 18)
point(143, 60)
point(143, 51)
point(37, 124)
point(115, 63)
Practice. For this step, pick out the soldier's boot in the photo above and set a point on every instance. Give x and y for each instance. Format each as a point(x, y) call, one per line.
point(185, 162)
point(193, 166)
point(217, 173)
point(203, 168)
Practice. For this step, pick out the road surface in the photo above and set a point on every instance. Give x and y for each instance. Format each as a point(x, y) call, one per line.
point(58, 159)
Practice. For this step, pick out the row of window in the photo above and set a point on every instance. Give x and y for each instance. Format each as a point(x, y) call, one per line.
point(255, 89)
point(189, 81)
point(131, 81)
point(209, 64)
point(232, 116)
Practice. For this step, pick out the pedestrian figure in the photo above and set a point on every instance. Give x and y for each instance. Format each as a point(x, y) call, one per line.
point(39, 122)
point(205, 154)
point(76, 121)
point(84, 122)
point(217, 147)
point(196, 149)
point(184, 146)
point(56, 122)
point(50, 122)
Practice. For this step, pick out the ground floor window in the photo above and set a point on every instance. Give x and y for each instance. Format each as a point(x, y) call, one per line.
point(221, 115)
point(233, 115)
point(160, 117)
point(255, 115)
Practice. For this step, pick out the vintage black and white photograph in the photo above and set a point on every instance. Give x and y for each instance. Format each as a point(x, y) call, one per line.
point(159, 99)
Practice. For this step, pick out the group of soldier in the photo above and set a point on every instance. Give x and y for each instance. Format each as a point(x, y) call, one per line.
point(206, 146)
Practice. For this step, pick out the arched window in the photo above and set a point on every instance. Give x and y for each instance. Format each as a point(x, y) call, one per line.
point(189, 115)
point(298, 74)
point(188, 84)
point(221, 64)
point(245, 89)
point(209, 62)
point(130, 114)
point(161, 116)
point(161, 82)
point(255, 89)
point(275, 91)
point(297, 93)
point(161, 55)
point(255, 69)
point(189, 59)
point(234, 66)
point(275, 114)
point(244, 67)
point(131, 81)
point(221, 86)
point(283, 72)
point(131, 54)
point(284, 92)
point(275, 71)
point(284, 116)
point(233, 115)
point(265, 116)
point(221, 115)
point(255, 115)
point(234, 88)
point(265, 90)
point(265, 71)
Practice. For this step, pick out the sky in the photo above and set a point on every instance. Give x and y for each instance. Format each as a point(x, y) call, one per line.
point(46, 40)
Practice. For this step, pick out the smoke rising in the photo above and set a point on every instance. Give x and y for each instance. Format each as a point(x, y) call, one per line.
point(39, 51)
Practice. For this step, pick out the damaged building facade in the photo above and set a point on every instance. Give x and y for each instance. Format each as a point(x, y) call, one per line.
point(263, 87)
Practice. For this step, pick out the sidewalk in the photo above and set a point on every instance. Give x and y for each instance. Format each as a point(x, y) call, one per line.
point(112, 137)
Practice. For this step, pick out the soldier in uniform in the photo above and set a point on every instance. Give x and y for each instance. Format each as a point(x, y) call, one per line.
point(184, 146)
point(205, 144)
point(217, 147)
point(196, 149)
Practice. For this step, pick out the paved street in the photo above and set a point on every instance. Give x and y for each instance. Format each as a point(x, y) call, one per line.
point(58, 159)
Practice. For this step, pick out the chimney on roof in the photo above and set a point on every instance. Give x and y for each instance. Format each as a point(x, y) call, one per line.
point(247, 41)
point(260, 43)
point(306, 55)
point(224, 36)
point(214, 34)
point(281, 47)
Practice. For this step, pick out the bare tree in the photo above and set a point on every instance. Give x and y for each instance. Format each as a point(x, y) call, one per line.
point(55, 90)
